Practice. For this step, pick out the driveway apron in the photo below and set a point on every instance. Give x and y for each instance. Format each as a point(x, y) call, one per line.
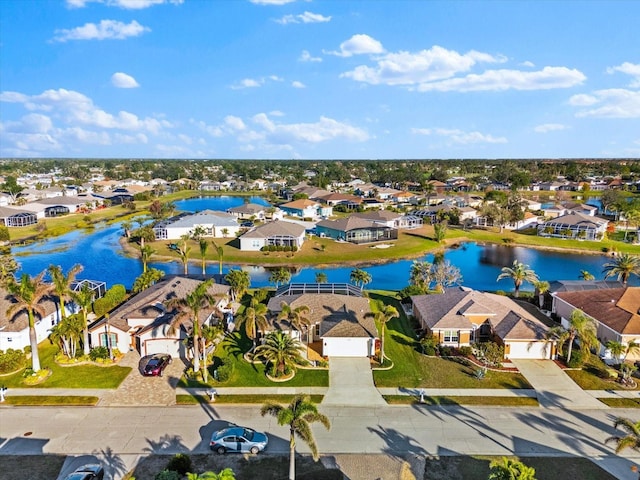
point(554, 388)
point(351, 383)
point(137, 389)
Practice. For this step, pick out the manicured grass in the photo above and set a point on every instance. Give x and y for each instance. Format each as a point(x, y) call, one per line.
point(80, 376)
point(31, 467)
point(55, 400)
point(621, 402)
point(238, 399)
point(594, 376)
point(463, 400)
point(245, 374)
point(412, 369)
point(547, 468)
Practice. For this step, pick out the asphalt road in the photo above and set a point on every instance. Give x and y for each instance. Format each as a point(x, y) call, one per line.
point(129, 432)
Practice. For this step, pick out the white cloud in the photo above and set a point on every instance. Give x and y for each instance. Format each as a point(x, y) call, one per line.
point(297, 84)
point(271, 2)
point(105, 30)
point(122, 80)
point(499, 80)
point(247, 83)
point(459, 136)
point(306, 17)
point(610, 103)
point(549, 127)
point(305, 56)
point(360, 44)
point(630, 69)
point(126, 4)
point(527, 64)
point(235, 123)
point(406, 68)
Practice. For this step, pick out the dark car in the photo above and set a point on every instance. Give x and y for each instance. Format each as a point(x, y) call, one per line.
point(238, 439)
point(156, 365)
point(247, 224)
point(87, 472)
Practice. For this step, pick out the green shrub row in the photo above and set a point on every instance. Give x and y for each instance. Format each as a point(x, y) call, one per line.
point(279, 248)
point(12, 360)
point(114, 297)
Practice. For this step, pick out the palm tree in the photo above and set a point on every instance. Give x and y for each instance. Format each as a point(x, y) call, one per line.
point(420, 275)
point(296, 317)
point(62, 284)
point(360, 277)
point(220, 253)
point(208, 334)
point(586, 276)
point(28, 293)
point(281, 351)
point(616, 348)
point(280, 276)
point(254, 319)
point(509, 469)
point(145, 255)
point(440, 230)
point(8, 266)
point(204, 246)
point(519, 273)
point(84, 298)
point(631, 439)
point(382, 317)
point(239, 281)
point(300, 413)
point(126, 226)
point(321, 277)
point(622, 267)
point(542, 287)
point(183, 251)
point(428, 189)
point(632, 348)
point(582, 327)
point(66, 334)
point(189, 307)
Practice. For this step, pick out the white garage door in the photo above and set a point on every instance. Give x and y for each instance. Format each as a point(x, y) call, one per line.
point(164, 345)
point(530, 350)
point(346, 347)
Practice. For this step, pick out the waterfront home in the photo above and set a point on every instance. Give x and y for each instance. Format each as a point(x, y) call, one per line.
point(211, 223)
point(574, 225)
point(615, 311)
point(279, 233)
point(253, 211)
point(305, 208)
point(17, 217)
point(333, 199)
point(144, 323)
point(462, 317)
point(14, 330)
point(356, 230)
point(340, 324)
point(390, 219)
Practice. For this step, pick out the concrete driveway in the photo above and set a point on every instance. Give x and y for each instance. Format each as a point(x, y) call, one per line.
point(351, 383)
point(554, 388)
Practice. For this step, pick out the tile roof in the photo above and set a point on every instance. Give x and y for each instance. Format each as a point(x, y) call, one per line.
point(276, 228)
point(248, 208)
point(346, 224)
point(338, 315)
point(617, 308)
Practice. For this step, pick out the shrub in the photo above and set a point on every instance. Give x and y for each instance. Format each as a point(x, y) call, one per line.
point(99, 353)
point(294, 248)
point(168, 475)
point(180, 463)
point(465, 351)
point(577, 359)
point(225, 369)
point(12, 360)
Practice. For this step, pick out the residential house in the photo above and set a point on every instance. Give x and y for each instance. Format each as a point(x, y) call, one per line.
point(391, 219)
point(574, 225)
point(461, 317)
point(305, 208)
point(356, 230)
point(277, 233)
point(253, 211)
point(615, 311)
point(144, 323)
point(333, 199)
point(213, 223)
point(16, 217)
point(339, 316)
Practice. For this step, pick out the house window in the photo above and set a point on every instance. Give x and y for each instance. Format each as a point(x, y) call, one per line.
point(317, 329)
point(450, 336)
point(103, 340)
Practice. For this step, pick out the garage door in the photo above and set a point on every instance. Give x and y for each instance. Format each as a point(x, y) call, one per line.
point(346, 347)
point(530, 350)
point(171, 346)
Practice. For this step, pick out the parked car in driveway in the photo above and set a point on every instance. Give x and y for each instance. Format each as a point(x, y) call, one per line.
point(238, 439)
point(87, 472)
point(156, 364)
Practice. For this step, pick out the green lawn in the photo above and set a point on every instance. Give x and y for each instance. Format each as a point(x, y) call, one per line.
point(463, 400)
point(593, 376)
point(239, 399)
point(247, 374)
point(411, 369)
point(52, 400)
point(80, 376)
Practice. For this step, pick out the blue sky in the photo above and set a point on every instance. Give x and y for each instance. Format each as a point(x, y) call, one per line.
point(319, 79)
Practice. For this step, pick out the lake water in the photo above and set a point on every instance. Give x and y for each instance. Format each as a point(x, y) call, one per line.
point(99, 252)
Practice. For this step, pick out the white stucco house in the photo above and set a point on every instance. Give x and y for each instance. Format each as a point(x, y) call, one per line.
point(278, 233)
point(144, 323)
point(214, 224)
